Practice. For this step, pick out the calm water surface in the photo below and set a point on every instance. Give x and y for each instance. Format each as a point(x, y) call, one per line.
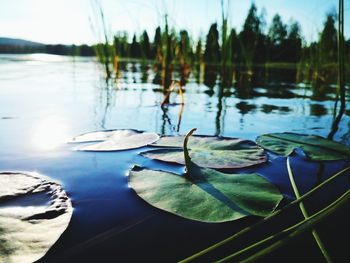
point(46, 99)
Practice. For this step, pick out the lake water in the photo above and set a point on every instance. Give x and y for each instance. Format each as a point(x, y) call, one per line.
point(45, 100)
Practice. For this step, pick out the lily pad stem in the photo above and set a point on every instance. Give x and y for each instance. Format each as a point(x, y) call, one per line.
point(187, 157)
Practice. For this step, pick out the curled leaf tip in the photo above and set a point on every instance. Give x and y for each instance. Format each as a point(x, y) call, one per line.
point(188, 161)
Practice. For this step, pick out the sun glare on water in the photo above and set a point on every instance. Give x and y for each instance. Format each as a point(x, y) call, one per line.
point(49, 133)
point(39, 57)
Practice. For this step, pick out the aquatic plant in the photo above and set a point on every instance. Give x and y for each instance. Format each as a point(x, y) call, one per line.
point(315, 147)
point(205, 194)
point(105, 51)
point(341, 72)
point(172, 87)
point(306, 214)
point(308, 223)
point(226, 48)
point(167, 56)
point(41, 214)
point(209, 151)
point(114, 140)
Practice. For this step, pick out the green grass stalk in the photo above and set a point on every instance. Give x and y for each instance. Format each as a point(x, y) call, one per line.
point(266, 219)
point(291, 233)
point(306, 214)
point(341, 71)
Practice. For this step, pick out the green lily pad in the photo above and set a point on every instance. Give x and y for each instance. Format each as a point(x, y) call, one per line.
point(205, 194)
point(115, 140)
point(209, 151)
point(34, 212)
point(315, 147)
point(210, 196)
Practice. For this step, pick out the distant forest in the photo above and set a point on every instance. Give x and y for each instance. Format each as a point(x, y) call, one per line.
point(256, 43)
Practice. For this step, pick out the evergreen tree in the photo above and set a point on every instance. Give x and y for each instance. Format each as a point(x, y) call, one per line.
point(328, 40)
point(277, 35)
point(277, 31)
point(157, 43)
point(293, 44)
point(135, 50)
point(252, 39)
point(199, 52)
point(145, 45)
point(212, 48)
point(121, 44)
point(184, 48)
point(235, 47)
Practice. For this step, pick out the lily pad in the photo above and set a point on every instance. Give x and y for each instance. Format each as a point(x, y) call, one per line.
point(315, 147)
point(205, 194)
point(115, 140)
point(34, 212)
point(209, 151)
point(211, 197)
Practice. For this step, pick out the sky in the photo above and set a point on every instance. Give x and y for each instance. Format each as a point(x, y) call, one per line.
point(69, 21)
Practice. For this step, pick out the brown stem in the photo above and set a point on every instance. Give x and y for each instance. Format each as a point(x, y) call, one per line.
point(181, 95)
point(171, 88)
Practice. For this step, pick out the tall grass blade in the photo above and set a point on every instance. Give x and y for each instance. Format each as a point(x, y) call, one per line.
point(266, 219)
point(291, 233)
point(306, 215)
point(341, 71)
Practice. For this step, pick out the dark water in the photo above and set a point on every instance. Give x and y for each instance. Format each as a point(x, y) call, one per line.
point(45, 100)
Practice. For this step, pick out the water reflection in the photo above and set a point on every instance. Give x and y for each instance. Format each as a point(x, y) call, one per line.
point(38, 57)
point(105, 100)
point(260, 90)
point(318, 110)
point(267, 108)
point(242, 104)
point(245, 107)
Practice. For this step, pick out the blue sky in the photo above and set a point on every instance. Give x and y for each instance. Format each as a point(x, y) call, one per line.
point(67, 21)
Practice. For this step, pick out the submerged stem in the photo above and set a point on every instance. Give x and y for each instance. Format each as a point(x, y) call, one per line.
point(187, 157)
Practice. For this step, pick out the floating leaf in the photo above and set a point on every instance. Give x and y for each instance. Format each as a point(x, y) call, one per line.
point(209, 151)
point(205, 194)
point(34, 212)
point(115, 140)
point(212, 197)
point(315, 147)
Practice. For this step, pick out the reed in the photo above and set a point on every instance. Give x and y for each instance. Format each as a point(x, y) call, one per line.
point(341, 72)
point(167, 56)
point(105, 52)
point(226, 47)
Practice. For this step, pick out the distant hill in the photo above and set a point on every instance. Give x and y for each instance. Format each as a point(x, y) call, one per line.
point(5, 41)
point(21, 46)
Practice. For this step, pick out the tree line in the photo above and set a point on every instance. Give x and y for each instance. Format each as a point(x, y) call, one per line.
point(254, 44)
